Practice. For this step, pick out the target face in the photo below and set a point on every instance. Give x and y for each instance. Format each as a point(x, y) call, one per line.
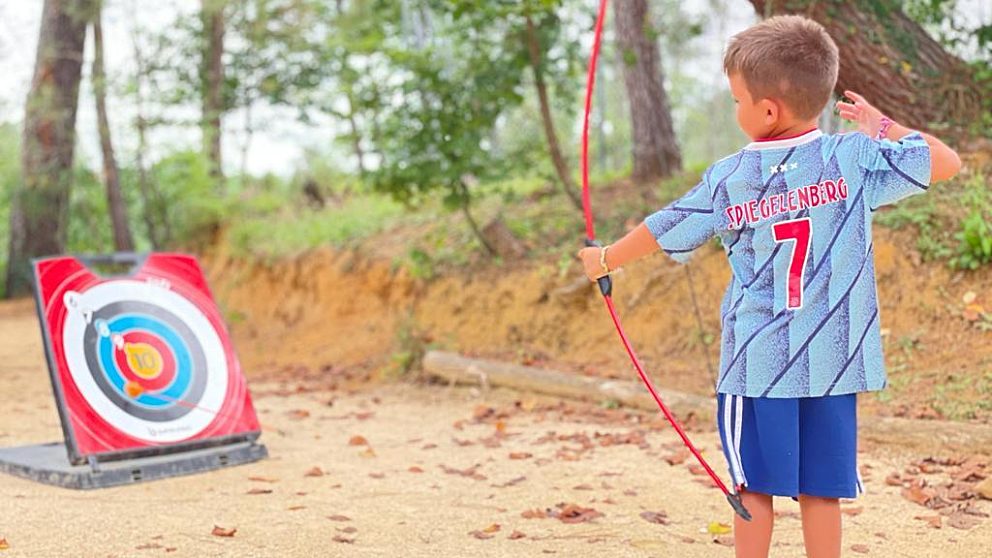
point(142, 360)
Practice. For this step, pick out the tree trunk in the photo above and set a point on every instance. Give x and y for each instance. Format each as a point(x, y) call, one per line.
point(39, 209)
point(466, 211)
point(212, 75)
point(656, 153)
point(144, 186)
point(561, 167)
point(892, 61)
point(123, 241)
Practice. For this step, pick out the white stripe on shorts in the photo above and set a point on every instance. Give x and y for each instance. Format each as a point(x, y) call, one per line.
point(732, 446)
point(737, 437)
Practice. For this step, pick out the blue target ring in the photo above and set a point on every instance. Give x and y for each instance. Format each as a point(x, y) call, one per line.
point(125, 323)
point(145, 359)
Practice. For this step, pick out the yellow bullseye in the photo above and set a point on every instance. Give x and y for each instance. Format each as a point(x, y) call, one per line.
point(144, 359)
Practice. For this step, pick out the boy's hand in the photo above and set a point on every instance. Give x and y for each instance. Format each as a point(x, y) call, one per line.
point(867, 117)
point(590, 263)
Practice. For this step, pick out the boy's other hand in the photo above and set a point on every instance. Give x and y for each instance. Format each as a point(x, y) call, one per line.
point(862, 113)
point(590, 263)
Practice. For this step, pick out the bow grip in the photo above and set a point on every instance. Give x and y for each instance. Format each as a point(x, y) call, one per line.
point(605, 282)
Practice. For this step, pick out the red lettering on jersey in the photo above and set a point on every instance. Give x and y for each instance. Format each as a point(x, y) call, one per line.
point(814, 195)
point(831, 190)
point(842, 188)
point(791, 197)
point(752, 206)
point(764, 207)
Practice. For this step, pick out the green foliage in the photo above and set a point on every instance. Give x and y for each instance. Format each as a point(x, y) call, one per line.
point(10, 178)
point(188, 201)
point(921, 212)
point(280, 230)
point(975, 236)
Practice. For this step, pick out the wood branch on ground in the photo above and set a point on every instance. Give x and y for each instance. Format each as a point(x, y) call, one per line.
point(934, 436)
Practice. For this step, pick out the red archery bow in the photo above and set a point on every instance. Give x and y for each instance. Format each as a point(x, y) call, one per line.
point(606, 283)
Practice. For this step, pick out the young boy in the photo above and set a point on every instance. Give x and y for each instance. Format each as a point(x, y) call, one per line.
point(800, 323)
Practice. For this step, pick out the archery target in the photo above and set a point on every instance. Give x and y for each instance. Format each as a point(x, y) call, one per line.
point(140, 361)
point(156, 371)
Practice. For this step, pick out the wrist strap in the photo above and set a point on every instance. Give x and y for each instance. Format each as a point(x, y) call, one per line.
point(602, 259)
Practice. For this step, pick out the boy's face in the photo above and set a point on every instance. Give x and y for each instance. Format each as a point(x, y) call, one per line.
point(757, 118)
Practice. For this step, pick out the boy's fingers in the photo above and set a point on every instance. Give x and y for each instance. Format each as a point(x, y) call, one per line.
point(854, 96)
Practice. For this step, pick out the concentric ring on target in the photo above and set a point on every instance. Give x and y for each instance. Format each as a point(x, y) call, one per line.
point(146, 359)
point(114, 338)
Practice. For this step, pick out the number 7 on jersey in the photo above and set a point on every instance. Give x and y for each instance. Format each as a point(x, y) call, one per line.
point(800, 231)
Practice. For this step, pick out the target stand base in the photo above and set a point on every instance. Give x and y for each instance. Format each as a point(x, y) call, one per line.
point(49, 464)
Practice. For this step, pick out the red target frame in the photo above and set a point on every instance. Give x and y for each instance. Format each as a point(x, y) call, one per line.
point(159, 316)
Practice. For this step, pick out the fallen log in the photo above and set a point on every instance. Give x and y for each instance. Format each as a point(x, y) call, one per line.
point(931, 436)
point(463, 370)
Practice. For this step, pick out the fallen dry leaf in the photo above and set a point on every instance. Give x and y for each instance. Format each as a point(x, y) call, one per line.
point(255, 491)
point(298, 414)
point(697, 469)
point(984, 488)
point(296, 508)
point(358, 441)
point(969, 297)
point(918, 493)
point(516, 535)
point(572, 513)
point(377, 475)
point(349, 529)
point(894, 479)
point(659, 517)
point(368, 452)
point(339, 518)
point(343, 539)
point(859, 548)
point(582, 486)
point(961, 520)
point(678, 457)
point(480, 535)
point(470, 472)
point(314, 472)
point(520, 455)
point(222, 532)
point(495, 527)
point(263, 479)
point(725, 540)
point(4, 545)
point(148, 546)
point(511, 482)
point(415, 469)
point(717, 528)
point(932, 520)
point(534, 514)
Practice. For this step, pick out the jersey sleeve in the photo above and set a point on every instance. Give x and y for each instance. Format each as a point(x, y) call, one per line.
point(686, 223)
point(894, 169)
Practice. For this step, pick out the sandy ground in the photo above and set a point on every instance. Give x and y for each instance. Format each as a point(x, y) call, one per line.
point(400, 495)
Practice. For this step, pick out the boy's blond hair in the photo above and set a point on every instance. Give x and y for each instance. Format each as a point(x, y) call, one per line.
point(790, 58)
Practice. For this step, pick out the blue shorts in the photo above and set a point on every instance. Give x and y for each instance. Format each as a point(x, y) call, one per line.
point(788, 447)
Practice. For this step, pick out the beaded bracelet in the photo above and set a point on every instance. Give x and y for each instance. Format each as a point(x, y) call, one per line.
point(883, 127)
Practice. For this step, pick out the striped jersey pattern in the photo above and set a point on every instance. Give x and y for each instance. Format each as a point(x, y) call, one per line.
point(800, 316)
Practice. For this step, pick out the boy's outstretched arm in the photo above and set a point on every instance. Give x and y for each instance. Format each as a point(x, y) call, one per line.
point(635, 245)
point(944, 161)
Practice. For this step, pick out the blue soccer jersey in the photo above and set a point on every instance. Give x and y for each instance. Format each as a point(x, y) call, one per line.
point(800, 316)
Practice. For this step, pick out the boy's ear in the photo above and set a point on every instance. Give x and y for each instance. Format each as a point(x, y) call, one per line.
point(770, 111)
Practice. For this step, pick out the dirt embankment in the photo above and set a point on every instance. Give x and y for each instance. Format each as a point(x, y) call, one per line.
point(336, 311)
